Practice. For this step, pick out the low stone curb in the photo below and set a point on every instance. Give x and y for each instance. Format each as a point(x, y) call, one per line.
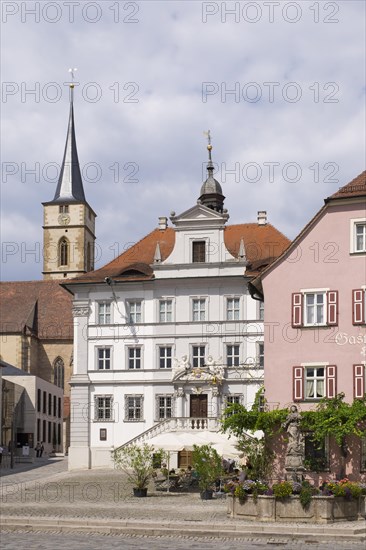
point(314, 533)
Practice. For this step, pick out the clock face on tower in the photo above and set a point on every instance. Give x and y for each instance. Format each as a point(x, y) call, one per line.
point(64, 219)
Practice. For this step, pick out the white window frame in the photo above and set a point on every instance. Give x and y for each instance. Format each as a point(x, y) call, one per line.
point(164, 315)
point(261, 311)
point(165, 407)
point(260, 354)
point(134, 359)
point(315, 379)
point(232, 355)
point(200, 311)
point(199, 240)
point(200, 358)
point(315, 293)
point(103, 360)
point(103, 408)
point(103, 316)
point(135, 314)
point(233, 309)
point(354, 223)
point(165, 359)
point(134, 407)
point(231, 398)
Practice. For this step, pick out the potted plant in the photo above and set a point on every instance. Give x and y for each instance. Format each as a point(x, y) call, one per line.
point(208, 466)
point(137, 462)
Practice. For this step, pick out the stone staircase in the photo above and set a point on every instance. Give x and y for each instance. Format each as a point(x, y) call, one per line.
point(177, 424)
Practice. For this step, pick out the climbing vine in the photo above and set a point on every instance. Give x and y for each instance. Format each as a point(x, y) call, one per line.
point(334, 417)
point(331, 417)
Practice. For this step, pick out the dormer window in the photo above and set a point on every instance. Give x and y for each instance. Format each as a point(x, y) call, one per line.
point(199, 251)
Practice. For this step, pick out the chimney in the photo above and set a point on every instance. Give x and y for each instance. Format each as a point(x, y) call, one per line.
point(163, 222)
point(262, 217)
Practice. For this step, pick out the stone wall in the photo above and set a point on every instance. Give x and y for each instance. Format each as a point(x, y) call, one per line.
point(321, 509)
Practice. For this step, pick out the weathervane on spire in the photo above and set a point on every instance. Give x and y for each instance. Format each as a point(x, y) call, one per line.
point(209, 146)
point(72, 85)
point(72, 73)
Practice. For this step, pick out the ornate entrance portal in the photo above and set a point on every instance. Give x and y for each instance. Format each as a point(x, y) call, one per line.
point(198, 406)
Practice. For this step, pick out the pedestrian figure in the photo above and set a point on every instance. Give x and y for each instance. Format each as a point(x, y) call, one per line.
point(38, 449)
point(41, 450)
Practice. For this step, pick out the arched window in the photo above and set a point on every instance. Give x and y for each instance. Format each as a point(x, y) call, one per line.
point(59, 372)
point(63, 252)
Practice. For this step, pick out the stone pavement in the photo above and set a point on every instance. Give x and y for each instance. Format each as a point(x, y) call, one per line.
point(46, 497)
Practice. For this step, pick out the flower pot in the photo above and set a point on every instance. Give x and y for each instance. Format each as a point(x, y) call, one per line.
point(206, 494)
point(139, 492)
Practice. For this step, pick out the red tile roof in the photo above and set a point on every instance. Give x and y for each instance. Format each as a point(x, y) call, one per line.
point(355, 188)
point(42, 308)
point(263, 243)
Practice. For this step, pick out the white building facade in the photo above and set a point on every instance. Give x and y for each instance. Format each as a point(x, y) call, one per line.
point(167, 334)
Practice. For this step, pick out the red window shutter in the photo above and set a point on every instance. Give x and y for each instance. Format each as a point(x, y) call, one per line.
point(298, 384)
point(331, 381)
point(358, 306)
point(297, 299)
point(358, 381)
point(332, 302)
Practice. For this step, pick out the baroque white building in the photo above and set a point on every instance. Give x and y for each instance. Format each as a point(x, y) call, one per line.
point(167, 334)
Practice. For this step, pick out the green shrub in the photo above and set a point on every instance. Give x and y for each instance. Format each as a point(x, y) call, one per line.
point(283, 489)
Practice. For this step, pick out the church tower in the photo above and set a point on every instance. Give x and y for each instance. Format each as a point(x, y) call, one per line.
point(68, 220)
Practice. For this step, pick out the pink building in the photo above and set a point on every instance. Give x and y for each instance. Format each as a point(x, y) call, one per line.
point(315, 321)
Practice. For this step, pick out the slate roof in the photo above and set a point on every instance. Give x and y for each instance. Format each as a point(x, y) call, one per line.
point(10, 370)
point(263, 243)
point(70, 184)
point(41, 308)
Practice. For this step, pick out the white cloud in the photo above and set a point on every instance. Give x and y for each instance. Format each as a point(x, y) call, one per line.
point(169, 54)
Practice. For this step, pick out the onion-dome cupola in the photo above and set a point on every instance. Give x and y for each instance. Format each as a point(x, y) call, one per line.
point(211, 192)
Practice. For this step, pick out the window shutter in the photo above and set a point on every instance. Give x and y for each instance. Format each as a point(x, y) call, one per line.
point(358, 381)
point(331, 381)
point(297, 299)
point(298, 384)
point(358, 307)
point(332, 302)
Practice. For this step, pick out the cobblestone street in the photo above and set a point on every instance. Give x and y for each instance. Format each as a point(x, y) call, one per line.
point(44, 502)
point(64, 541)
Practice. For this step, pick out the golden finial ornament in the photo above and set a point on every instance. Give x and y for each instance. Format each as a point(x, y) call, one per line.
point(209, 146)
point(72, 71)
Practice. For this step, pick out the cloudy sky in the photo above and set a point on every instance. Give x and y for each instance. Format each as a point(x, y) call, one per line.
point(281, 86)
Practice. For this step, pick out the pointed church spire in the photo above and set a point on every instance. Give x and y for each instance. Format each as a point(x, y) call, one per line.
point(211, 192)
point(70, 185)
